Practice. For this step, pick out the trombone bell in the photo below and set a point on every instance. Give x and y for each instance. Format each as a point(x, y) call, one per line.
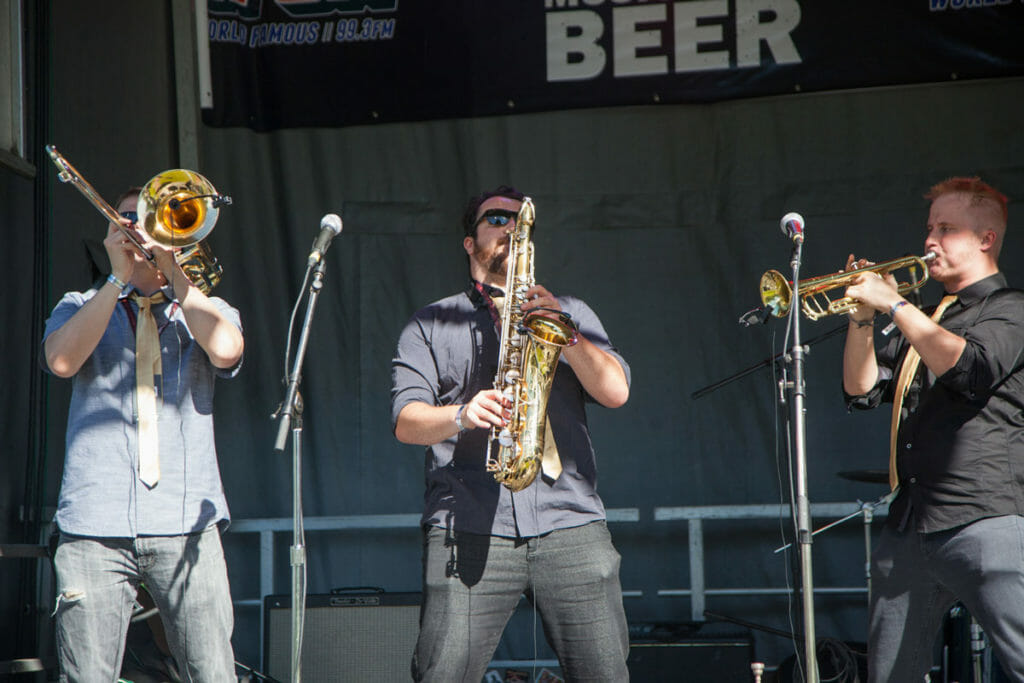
point(177, 208)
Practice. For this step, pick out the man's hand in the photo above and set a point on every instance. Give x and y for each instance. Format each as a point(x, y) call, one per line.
point(874, 292)
point(486, 409)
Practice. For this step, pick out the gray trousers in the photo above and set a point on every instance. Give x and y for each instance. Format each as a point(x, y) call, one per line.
point(472, 584)
point(916, 578)
point(97, 581)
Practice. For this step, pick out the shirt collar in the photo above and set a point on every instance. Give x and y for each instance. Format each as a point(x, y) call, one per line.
point(475, 295)
point(975, 292)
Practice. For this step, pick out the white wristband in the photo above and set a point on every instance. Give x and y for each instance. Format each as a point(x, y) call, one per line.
point(458, 418)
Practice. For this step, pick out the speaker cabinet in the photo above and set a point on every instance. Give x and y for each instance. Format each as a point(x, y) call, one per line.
point(355, 637)
point(695, 653)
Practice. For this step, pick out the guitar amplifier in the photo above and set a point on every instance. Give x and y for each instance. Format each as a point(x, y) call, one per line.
point(693, 652)
point(347, 636)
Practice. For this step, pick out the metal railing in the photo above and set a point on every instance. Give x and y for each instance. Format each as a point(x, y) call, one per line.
point(695, 517)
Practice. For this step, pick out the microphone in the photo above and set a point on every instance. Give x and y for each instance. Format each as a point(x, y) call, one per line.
point(755, 316)
point(792, 225)
point(330, 226)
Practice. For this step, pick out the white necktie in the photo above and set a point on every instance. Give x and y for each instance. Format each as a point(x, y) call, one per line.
point(148, 365)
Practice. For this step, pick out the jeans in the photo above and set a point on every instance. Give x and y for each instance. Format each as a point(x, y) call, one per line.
point(916, 578)
point(97, 581)
point(472, 584)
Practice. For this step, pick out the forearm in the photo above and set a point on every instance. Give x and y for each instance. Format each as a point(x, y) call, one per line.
point(68, 347)
point(599, 372)
point(939, 348)
point(218, 336)
point(860, 367)
point(424, 425)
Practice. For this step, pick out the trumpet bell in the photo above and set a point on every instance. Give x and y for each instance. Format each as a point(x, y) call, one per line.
point(177, 208)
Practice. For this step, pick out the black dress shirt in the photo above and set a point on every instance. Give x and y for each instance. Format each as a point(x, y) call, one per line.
point(960, 447)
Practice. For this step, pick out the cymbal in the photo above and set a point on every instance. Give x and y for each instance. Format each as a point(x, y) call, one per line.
point(869, 476)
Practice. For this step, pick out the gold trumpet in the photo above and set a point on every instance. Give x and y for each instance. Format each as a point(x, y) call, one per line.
point(777, 291)
point(177, 208)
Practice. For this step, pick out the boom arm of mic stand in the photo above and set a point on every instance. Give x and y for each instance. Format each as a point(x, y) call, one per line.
point(700, 393)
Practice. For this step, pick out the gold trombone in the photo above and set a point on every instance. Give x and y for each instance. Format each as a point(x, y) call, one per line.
point(177, 208)
point(777, 291)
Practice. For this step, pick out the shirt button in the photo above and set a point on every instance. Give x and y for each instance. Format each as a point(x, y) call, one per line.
point(909, 446)
point(913, 480)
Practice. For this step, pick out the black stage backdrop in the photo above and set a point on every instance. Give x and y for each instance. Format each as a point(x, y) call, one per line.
point(662, 217)
point(295, 63)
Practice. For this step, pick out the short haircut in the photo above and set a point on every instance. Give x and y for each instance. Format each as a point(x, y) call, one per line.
point(130, 192)
point(977, 189)
point(469, 219)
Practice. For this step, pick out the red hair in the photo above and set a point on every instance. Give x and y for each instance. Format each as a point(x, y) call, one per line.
point(975, 187)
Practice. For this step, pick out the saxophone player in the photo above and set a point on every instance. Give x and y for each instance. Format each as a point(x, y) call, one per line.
point(485, 545)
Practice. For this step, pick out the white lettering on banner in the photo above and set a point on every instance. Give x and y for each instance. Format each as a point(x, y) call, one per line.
point(575, 52)
point(628, 38)
point(689, 36)
point(750, 31)
point(943, 5)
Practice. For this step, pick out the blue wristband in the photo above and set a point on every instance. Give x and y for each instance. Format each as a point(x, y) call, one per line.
point(117, 282)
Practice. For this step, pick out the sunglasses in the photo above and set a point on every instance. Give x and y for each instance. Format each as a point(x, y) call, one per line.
point(130, 215)
point(499, 217)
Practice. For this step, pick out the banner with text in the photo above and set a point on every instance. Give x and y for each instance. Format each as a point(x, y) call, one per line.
point(298, 63)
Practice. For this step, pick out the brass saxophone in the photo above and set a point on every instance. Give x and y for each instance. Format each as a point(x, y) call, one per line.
point(530, 345)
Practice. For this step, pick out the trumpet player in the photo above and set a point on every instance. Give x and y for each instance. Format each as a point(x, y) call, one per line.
point(485, 545)
point(955, 375)
point(141, 500)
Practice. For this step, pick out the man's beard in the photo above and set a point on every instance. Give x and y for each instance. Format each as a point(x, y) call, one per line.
point(496, 262)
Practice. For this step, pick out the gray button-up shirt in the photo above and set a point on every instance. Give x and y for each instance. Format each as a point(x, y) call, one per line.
point(446, 354)
point(101, 494)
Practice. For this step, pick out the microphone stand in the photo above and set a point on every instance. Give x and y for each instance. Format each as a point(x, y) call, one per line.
point(798, 434)
point(290, 414)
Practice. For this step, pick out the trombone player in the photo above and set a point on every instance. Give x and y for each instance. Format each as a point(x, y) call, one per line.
point(141, 501)
point(955, 376)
